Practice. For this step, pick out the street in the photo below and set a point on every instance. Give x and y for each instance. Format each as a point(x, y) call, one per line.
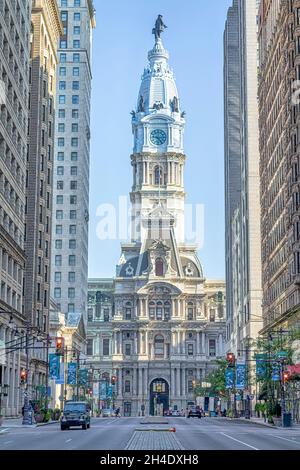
point(126, 433)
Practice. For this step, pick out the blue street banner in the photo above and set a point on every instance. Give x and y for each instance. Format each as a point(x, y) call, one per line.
point(103, 390)
point(229, 378)
point(54, 363)
point(72, 369)
point(261, 366)
point(110, 391)
point(83, 377)
point(240, 381)
point(275, 372)
point(61, 379)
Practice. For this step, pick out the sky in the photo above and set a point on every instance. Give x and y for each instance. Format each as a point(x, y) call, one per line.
point(121, 42)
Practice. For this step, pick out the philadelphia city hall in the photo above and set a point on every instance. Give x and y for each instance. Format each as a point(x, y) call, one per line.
point(159, 326)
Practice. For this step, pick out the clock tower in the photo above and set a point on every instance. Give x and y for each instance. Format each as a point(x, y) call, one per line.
point(158, 157)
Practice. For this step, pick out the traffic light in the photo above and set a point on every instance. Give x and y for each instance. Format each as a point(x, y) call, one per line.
point(286, 376)
point(59, 346)
point(230, 358)
point(113, 379)
point(23, 376)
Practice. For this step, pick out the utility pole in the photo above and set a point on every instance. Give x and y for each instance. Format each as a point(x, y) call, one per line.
point(26, 419)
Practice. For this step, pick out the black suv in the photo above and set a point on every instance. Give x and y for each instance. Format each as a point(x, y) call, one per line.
point(76, 413)
point(194, 412)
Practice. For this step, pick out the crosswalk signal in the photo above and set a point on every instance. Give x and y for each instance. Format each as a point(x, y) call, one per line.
point(230, 359)
point(113, 379)
point(23, 376)
point(59, 346)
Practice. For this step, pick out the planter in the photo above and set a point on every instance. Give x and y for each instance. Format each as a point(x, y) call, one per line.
point(39, 418)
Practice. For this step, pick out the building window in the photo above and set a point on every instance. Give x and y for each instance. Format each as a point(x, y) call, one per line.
point(105, 347)
point(74, 156)
point(59, 215)
point(159, 311)
point(63, 58)
point(75, 85)
point(73, 215)
point(63, 44)
point(72, 244)
point(71, 276)
point(61, 113)
point(76, 16)
point(75, 113)
point(212, 315)
point(59, 199)
point(127, 386)
point(74, 127)
point(212, 347)
point(62, 99)
point(74, 142)
point(128, 311)
point(57, 292)
point(157, 176)
point(71, 308)
point(76, 58)
point(152, 310)
point(57, 277)
point(106, 314)
point(127, 349)
point(75, 99)
point(71, 292)
point(76, 30)
point(60, 185)
point(190, 312)
point(167, 311)
point(190, 349)
point(72, 229)
point(73, 185)
point(61, 127)
point(73, 199)
point(60, 156)
point(62, 85)
point(72, 260)
point(58, 230)
point(159, 267)
point(73, 171)
point(190, 386)
point(89, 347)
point(76, 3)
point(76, 44)
point(58, 244)
point(90, 314)
point(159, 343)
point(76, 72)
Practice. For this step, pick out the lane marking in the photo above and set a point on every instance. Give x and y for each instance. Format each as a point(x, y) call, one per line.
point(285, 439)
point(68, 440)
point(241, 442)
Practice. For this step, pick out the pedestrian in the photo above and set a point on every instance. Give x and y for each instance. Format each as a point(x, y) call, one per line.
point(118, 413)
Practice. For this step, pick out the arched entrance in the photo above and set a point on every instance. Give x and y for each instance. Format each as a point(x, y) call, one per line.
point(159, 397)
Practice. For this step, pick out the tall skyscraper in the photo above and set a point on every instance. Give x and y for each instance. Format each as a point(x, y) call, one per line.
point(168, 323)
point(14, 91)
point(242, 184)
point(279, 47)
point(46, 29)
point(69, 282)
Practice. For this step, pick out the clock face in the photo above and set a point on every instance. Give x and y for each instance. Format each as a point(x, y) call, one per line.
point(158, 137)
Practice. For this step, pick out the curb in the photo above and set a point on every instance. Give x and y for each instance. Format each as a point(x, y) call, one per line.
point(37, 425)
point(248, 421)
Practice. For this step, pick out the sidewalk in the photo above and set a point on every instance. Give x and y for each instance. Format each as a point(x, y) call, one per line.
point(17, 423)
point(261, 422)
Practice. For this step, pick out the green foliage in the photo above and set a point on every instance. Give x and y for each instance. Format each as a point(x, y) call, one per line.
point(216, 381)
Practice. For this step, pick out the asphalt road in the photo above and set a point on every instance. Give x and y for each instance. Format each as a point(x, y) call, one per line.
point(115, 433)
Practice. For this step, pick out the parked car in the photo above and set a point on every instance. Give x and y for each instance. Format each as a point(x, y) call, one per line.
point(76, 413)
point(107, 413)
point(194, 412)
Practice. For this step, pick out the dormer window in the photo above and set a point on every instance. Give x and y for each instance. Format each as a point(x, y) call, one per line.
point(159, 267)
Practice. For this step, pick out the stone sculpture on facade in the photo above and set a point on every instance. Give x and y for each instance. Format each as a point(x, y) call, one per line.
point(159, 27)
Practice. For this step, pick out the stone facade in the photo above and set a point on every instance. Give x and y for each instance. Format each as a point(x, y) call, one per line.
point(46, 29)
point(279, 37)
point(72, 159)
point(168, 323)
point(14, 91)
point(242, 182)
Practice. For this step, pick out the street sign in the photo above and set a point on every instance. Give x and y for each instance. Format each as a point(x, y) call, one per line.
point(282, 354)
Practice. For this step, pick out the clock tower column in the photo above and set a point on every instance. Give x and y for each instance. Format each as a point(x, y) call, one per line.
point(158, 157)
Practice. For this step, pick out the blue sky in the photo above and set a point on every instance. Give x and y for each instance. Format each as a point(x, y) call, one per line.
point(122, 40)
